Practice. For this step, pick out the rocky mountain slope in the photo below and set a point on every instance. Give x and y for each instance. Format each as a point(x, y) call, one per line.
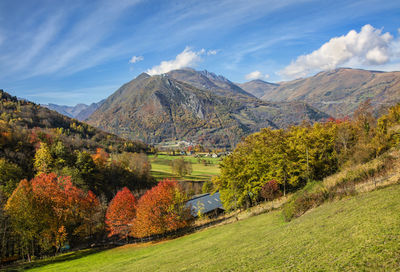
point(205, 80)
point(161, 108)
point(338, 92)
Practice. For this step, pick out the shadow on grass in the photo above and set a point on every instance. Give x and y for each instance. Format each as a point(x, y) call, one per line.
point(52, 260)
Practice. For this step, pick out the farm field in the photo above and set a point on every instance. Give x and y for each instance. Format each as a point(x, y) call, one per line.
point(360, 233)
point(161, 167)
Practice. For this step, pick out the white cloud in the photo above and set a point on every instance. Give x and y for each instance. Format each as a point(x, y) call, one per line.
point(256, 75)
point(135, 59)
point(184, 59)
point(369, 47)
point(212, 52)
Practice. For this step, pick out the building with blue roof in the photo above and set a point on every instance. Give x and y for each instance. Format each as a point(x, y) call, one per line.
point(206, 204)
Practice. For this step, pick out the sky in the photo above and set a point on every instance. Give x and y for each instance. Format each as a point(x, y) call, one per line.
point(69, 52)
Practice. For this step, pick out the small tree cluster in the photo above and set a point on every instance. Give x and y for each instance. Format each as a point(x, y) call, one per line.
point(50, 210)
point(161, 209)
point(181, 167)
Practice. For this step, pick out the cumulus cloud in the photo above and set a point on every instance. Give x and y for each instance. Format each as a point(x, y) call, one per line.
point(365, 48)
point(135, 59)
point(186, 58)
point(256, 75)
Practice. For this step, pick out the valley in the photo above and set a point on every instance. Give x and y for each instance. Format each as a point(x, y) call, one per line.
point(199, 135)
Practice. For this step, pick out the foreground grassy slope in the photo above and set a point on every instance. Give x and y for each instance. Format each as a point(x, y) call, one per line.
point(361, 233)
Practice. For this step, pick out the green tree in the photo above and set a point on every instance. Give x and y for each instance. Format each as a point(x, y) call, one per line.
point(25, 217)
point(10, 175)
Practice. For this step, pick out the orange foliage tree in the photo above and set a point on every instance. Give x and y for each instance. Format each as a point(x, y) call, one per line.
point(60, 208)
point(120, 213)
point(161, 209)
point(101, 157)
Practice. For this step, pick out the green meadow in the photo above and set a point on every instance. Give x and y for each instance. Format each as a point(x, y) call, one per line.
point(161, 167)
point(359, 233)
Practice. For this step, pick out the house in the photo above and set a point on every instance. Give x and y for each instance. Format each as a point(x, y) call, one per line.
point(206, 204)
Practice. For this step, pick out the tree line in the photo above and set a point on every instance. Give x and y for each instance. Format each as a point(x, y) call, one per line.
point(277, 161)
point(49, 213)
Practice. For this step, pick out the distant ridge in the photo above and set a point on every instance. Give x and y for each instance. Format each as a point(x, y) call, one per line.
point(337, 92)
point(79, 111)
point(258, 87)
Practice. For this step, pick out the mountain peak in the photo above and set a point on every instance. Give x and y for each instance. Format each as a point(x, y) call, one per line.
point(206, 80)
point(142, 76)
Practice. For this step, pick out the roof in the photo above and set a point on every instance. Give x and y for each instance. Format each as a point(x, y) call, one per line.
point(206, 203)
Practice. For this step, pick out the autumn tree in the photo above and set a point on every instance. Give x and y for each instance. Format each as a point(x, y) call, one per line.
point(270, 190)
point(137, 163)
point(60, 203)
point(292, 157)
point(43, 161)
point(121, 213)
point(92, 214)
point(25, 217)
point(10, 175)
point(161, 209)
point(100, 157)
point(181, 167)
point(52, 209)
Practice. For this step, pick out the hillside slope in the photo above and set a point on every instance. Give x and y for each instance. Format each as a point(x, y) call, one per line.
point(360, 233)
point(24, 124)
point(258, 88)
point(160, 108)
point(340, 91)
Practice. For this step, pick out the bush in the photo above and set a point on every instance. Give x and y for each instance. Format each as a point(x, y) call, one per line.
point(270, 190)
point(312, 195)
point(208, 187)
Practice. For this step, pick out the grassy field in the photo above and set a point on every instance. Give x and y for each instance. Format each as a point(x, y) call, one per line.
point(361, 233)
point(161, 168)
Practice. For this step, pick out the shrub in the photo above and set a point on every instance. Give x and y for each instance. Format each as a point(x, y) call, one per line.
point(312, 195)
point(270, 190)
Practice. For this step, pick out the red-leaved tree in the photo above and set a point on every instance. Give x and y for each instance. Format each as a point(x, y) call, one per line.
point(120, 213)
point(161, 209)
point(55, 204)
point(270, 190)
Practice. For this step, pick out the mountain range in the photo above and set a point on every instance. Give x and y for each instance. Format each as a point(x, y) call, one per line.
point(337, 92)
point(209, 109)
point(196, 106)
point(79, 111)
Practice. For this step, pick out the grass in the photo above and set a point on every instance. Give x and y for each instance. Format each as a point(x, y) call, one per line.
point(360, 233)
point(161, 168)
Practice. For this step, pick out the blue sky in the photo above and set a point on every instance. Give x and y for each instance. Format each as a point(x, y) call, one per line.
point(70, 52)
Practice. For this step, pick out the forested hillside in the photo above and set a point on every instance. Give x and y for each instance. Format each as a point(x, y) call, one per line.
point(57, 176)
point(29, 133)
